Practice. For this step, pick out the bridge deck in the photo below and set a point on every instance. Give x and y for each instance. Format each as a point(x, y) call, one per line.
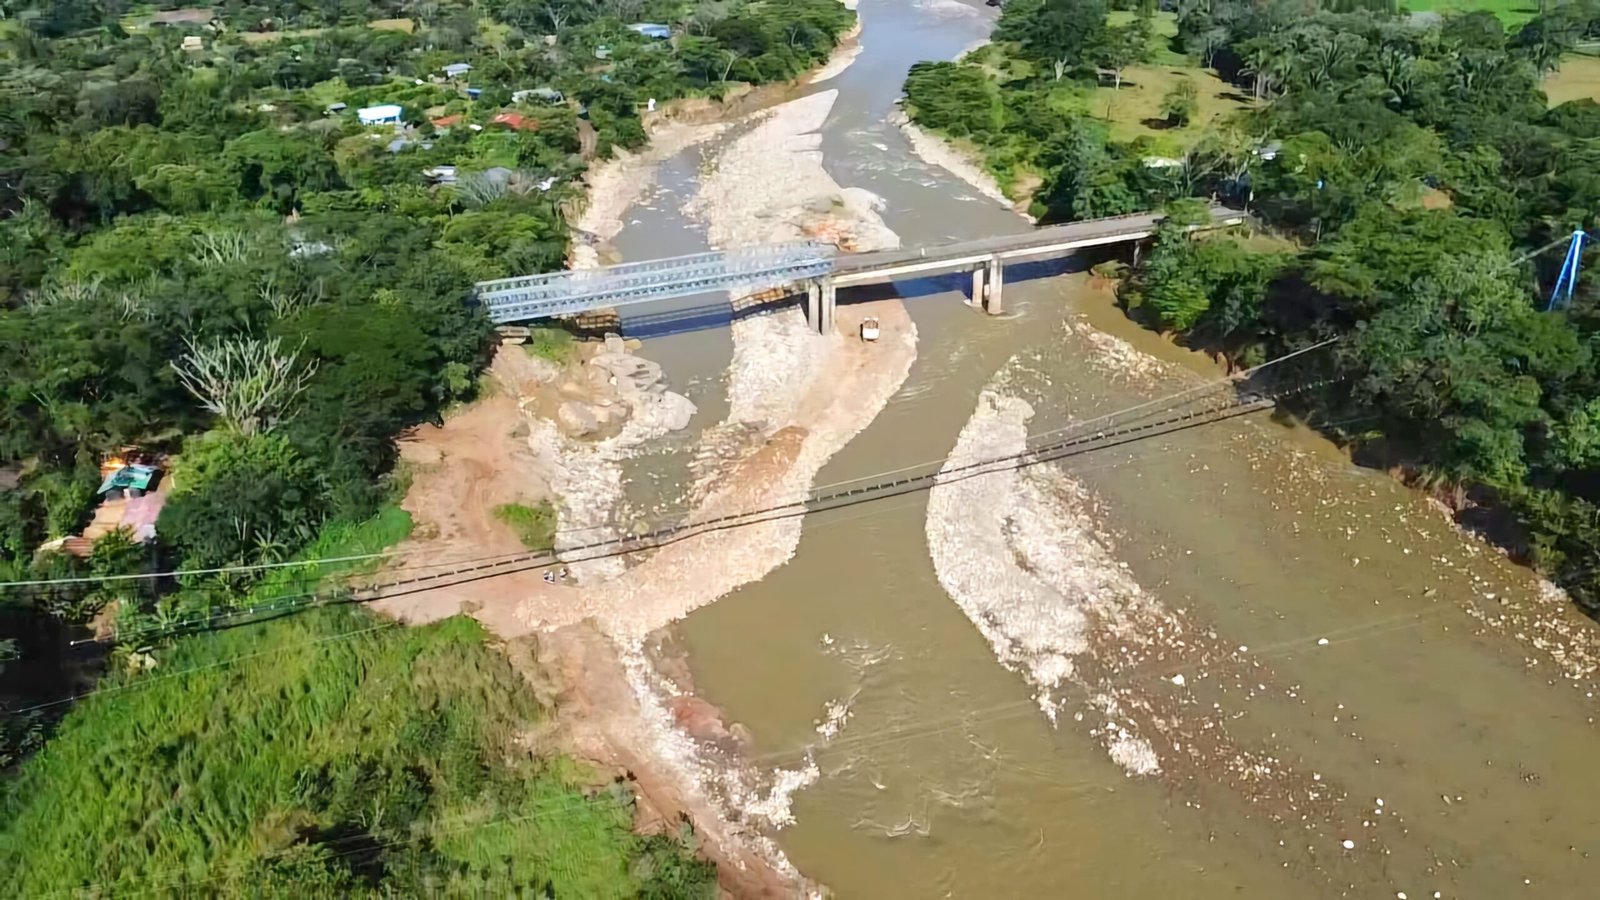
point(856, 268)
point(755, 268)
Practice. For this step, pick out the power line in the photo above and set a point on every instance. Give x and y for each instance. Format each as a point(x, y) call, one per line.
point(386, 554)
point(668, 535)
point(328, 639)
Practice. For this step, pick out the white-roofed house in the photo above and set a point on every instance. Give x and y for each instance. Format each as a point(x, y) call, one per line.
point(385, 114)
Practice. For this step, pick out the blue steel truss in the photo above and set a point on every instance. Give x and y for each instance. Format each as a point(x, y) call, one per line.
point(564, 293)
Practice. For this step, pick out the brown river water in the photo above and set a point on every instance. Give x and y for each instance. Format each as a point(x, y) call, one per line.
point(1316, 656)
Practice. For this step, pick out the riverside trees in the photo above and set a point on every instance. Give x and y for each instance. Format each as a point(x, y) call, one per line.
point(204, 253)
point(1418, 166)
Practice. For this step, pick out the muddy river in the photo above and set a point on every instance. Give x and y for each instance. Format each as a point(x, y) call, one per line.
point(1245, 667)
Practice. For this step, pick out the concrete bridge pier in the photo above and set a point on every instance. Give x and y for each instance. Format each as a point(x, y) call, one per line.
point(992, 274)
point(822, 299)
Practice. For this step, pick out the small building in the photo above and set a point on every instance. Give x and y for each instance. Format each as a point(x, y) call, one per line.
point(516, 121)
point(444, 122)
point(541, 94)
point(193, 43)
point(652, 30)
point(602, 52)
point(385, 114)
point(336, 108)
point(440, 174)
point(474, 93)
point(456, 70)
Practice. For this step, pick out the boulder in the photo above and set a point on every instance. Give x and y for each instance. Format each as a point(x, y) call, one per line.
point(577, 419)
point(663, 411)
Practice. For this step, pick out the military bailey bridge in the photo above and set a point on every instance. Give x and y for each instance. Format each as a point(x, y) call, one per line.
point(811, 267)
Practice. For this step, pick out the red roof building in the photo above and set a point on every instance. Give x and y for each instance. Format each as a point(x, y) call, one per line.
point(516, 121)
point(447, 121)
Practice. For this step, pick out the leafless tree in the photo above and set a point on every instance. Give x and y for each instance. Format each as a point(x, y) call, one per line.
point(220, 248)
point(284, 301)
point(558, 16)
point(626, 10)
point(245, 381)
point(65, 293)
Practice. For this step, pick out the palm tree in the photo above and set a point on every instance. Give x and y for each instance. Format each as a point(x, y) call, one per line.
point(1399, 73)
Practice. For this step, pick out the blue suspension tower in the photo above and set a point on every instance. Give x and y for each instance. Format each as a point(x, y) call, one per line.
point(1561, 295)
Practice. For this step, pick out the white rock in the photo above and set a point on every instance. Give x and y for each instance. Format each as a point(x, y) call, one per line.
point(1349, 844)
point(1178, 679)
point(1322, 642)
point(577, 419)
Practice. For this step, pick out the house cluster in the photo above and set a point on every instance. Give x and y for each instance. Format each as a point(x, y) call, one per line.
point(393, 114)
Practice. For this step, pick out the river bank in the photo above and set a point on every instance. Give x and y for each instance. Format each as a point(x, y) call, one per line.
point(794, 399)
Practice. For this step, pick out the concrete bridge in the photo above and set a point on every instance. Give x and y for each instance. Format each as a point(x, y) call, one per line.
point(812, 266)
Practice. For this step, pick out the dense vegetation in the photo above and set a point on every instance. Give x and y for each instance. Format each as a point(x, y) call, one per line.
point(206, 256)
point(323, 755)
point(1416, 171)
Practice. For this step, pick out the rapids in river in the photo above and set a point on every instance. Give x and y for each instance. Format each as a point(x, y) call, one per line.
point(1222, 662)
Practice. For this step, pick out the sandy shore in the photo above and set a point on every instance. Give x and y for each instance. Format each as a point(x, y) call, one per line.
point(618, 183)
point(1020, 553)
point(936, 151)
point(844, 53)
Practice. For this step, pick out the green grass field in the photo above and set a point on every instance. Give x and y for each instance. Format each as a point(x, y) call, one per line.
point(555, 344)
point(1134, 110)
point(1511, 12)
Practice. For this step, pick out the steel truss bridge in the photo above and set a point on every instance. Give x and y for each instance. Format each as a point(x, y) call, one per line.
point(747, 269)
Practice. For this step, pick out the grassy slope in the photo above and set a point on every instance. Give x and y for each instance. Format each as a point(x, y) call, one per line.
point(1131, 112)
point(327, 733)
point(1139, 100)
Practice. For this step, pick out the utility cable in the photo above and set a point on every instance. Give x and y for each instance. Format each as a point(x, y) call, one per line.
point(386, 554)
